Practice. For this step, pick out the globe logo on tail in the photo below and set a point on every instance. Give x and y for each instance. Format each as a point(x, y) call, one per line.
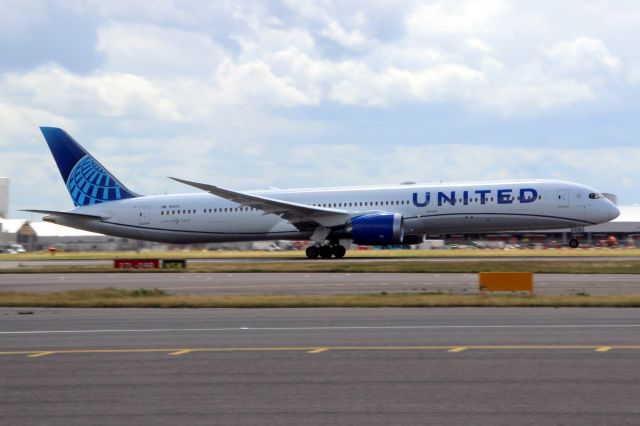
point(89, 183)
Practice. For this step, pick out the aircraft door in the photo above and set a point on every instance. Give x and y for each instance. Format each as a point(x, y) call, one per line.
point(563, 198)
point(143, 215)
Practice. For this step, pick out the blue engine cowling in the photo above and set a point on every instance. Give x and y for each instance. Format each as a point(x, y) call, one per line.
point(380, 228)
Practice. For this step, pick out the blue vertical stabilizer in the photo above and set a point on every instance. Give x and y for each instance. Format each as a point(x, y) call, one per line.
point(88, 182)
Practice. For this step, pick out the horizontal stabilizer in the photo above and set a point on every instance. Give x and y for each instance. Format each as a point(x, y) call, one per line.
point(65, 214)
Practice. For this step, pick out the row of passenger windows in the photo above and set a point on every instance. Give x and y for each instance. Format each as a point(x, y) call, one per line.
point(362, 204)
point(205, 211)
point(325, 205)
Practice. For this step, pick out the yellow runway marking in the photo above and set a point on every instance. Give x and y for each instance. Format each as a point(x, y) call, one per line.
point(181, 352)
point(316, 349)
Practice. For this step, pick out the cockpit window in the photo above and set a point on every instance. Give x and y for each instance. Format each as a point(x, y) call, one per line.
point(595, 196)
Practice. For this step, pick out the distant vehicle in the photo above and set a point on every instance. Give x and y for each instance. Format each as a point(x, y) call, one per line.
point(12, 248)
point(369, 216)
point(266, 246)
point(19, 248)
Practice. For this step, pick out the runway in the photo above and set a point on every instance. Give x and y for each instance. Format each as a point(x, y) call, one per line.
point(311, 283)
point(320, 366)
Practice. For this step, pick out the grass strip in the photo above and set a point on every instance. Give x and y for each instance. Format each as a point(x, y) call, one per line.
point(144, 298)
point(298, 254)
point(382, 266)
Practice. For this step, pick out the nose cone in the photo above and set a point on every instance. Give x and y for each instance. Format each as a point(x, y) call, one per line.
point(614, 212)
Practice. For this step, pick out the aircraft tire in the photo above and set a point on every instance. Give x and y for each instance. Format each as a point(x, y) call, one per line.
point(339, 251)
point(574, 243)
point(326, 252)
point(312, 252)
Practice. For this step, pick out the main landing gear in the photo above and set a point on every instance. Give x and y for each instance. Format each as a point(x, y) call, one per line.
point(326, 251)
point(574, 243)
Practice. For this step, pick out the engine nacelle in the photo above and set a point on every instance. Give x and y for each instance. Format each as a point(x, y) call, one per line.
point(382, 228)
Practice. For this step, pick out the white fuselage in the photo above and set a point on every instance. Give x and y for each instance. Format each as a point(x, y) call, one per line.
point(476, 207)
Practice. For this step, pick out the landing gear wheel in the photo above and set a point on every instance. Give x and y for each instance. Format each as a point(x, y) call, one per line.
point(326, 252)
point(574, 243)
point(312, 252)
point(339, 251)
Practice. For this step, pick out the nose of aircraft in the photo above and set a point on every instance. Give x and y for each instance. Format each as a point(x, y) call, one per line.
point(613, 211)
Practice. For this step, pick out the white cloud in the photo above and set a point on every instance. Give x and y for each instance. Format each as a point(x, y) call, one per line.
point(152, 50)
point(471, 17)
point(20, 124)
point(583, 53)
point(353, 39)
point(203, 90)
point(108, 94)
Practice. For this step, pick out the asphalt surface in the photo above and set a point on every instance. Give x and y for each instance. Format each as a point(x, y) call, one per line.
point(311, 283)
point(320, 366)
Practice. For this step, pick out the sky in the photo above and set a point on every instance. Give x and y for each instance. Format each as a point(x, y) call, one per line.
point(295, 93)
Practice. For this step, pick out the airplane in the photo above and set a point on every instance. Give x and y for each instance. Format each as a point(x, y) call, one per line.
point(372, 215)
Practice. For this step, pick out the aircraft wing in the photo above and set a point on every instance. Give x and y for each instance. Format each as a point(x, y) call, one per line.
point(300, 215)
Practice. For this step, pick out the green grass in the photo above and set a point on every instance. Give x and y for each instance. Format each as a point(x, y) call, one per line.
point(142, 298)
point(233, 254)
point(390, 266)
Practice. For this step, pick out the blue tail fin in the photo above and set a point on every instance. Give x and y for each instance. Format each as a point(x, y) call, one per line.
point(87, 180)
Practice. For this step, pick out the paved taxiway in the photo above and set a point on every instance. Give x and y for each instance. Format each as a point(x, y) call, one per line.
point(320, 366)
point(311, 283)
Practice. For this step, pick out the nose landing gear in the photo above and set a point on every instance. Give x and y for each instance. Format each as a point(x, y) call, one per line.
point(574, 243)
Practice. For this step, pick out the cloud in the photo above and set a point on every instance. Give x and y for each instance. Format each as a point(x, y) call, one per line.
point(108, 94)
point(461, 18)
point(20, 124)
point(583, 53)
point(304, 93)
point(156, 51)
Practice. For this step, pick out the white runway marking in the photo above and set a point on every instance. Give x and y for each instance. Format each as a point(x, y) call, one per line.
point(406, 327)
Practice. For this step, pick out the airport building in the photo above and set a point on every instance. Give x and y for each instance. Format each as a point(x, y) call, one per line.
point(36, 236)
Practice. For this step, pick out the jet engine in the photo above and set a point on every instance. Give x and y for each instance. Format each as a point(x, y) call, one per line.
point(380, 228)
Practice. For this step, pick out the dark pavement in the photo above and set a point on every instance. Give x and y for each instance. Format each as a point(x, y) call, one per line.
point(320, 366)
